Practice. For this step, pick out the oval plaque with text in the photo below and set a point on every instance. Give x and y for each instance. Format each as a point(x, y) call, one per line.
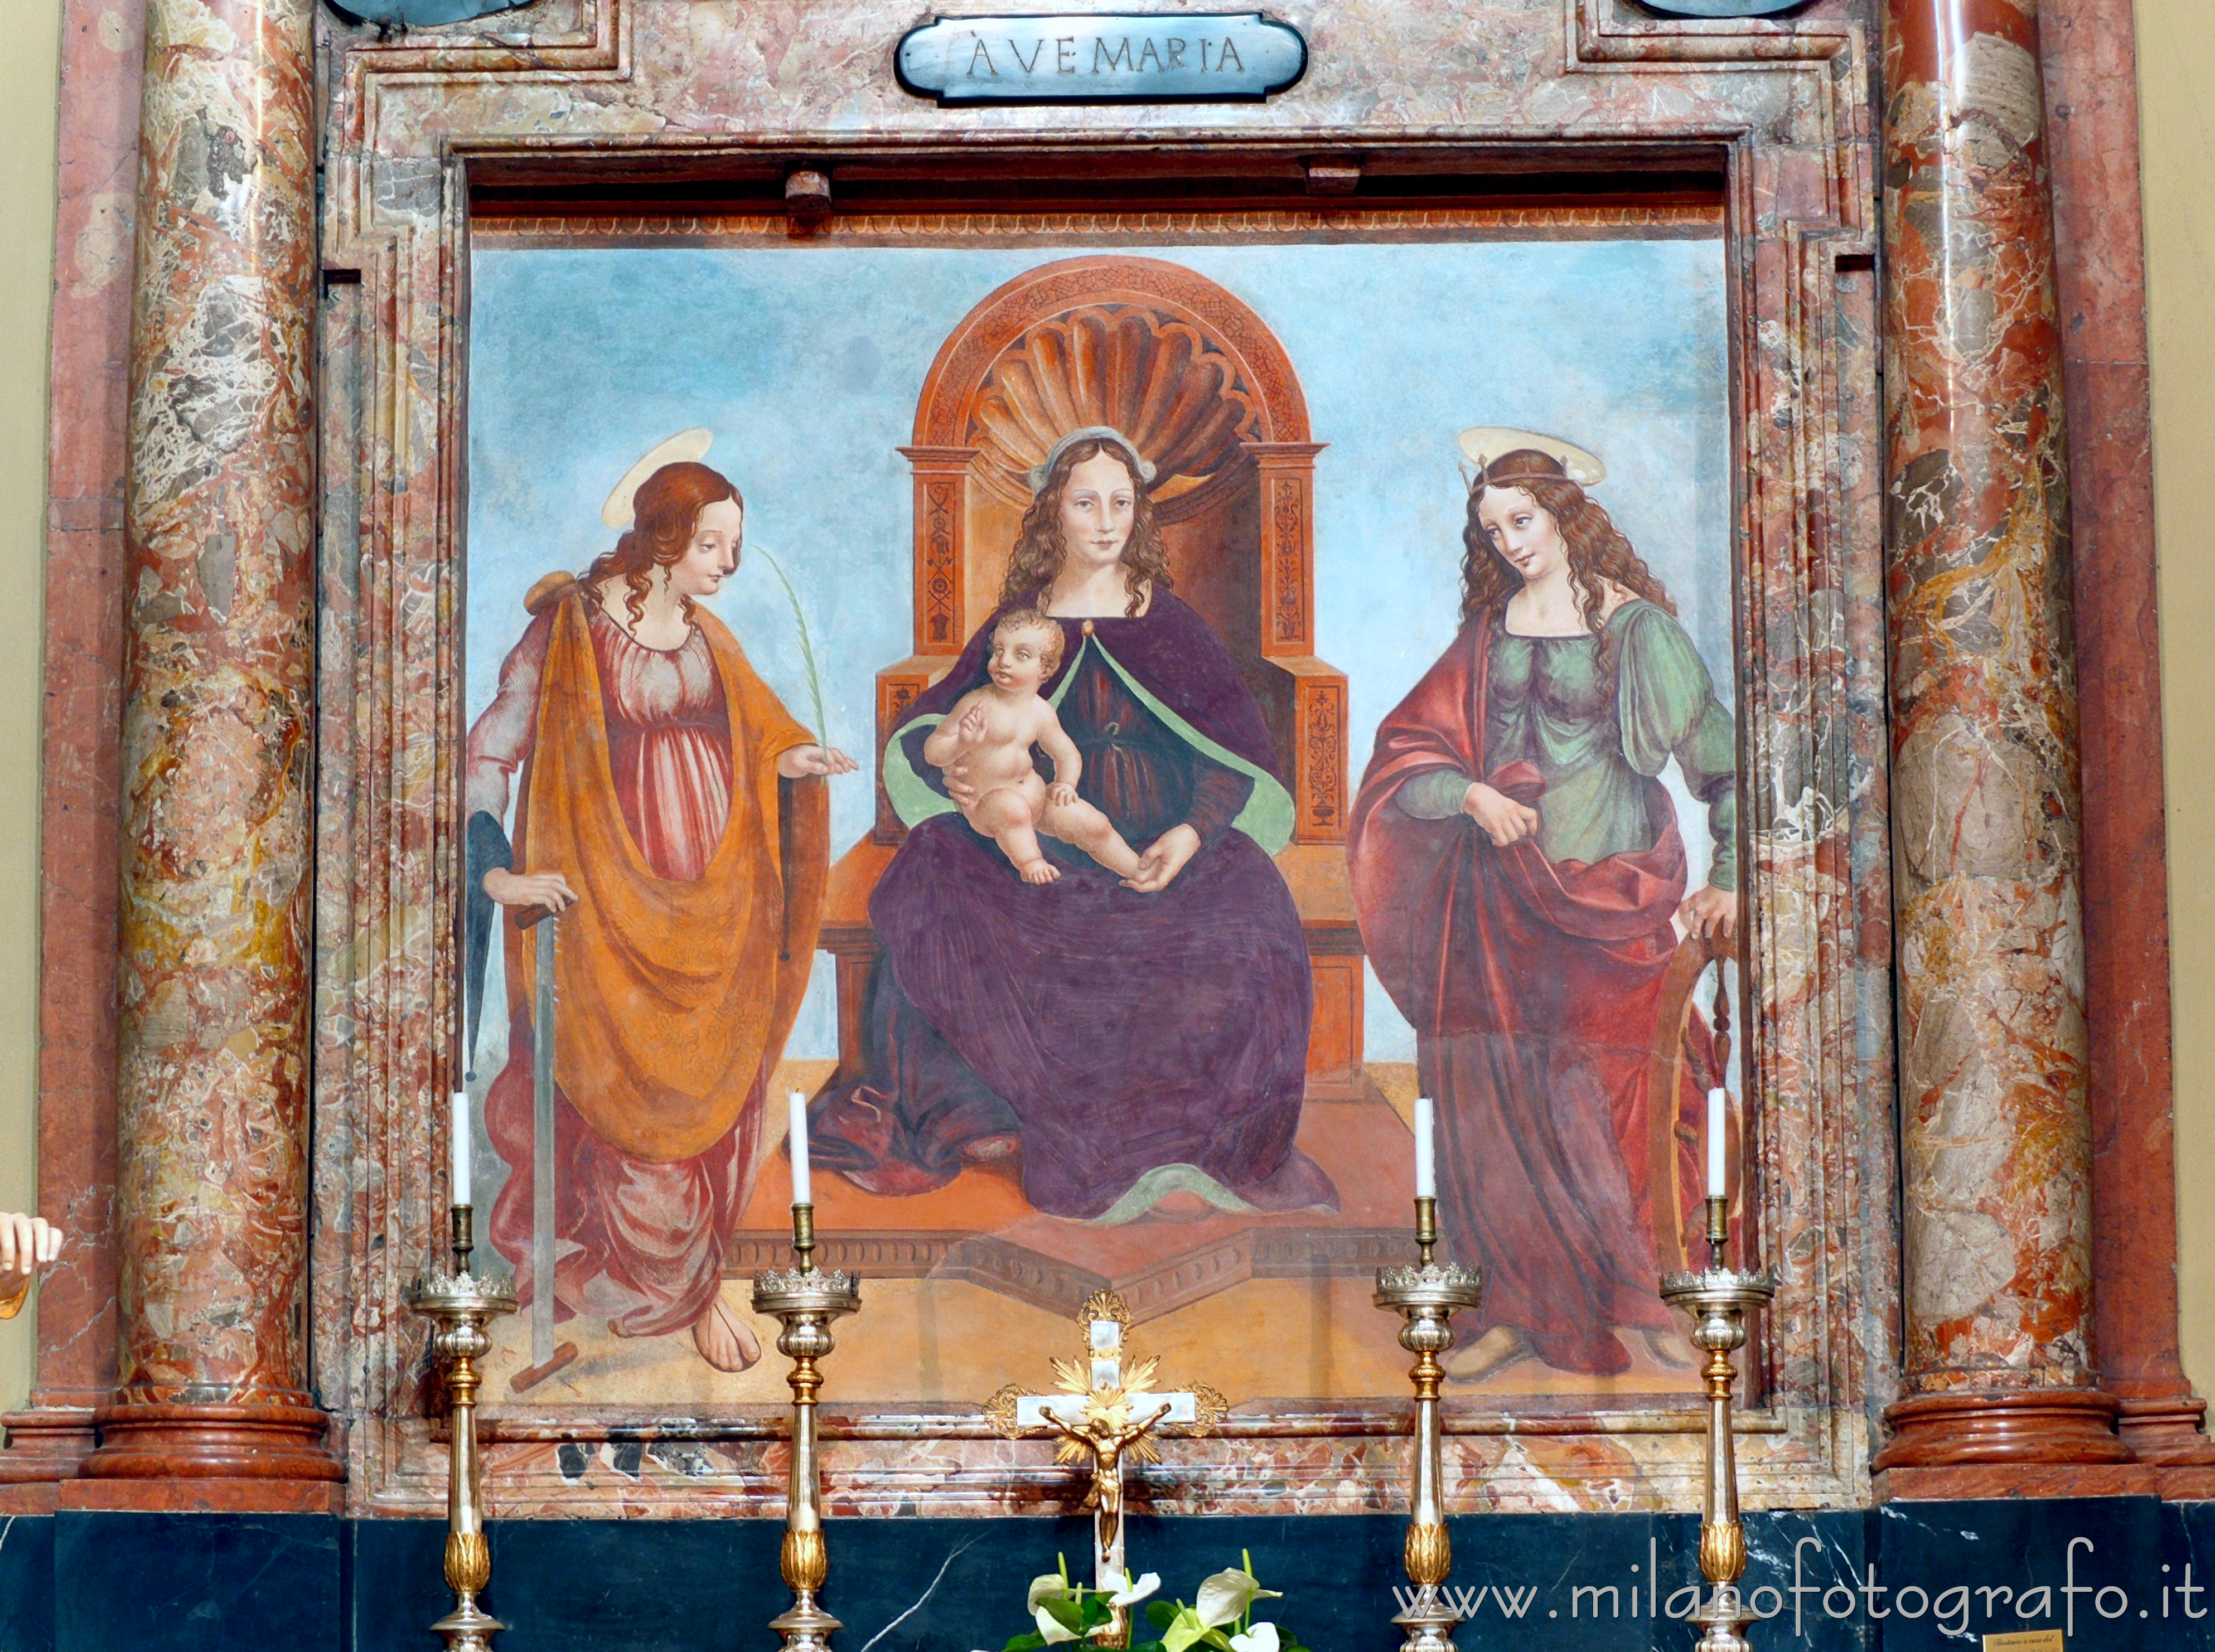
point(1104, 57)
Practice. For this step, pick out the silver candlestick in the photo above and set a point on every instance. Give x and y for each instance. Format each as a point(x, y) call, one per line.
point(806, 1301)
point(1427, 1295)
point(460, 1303)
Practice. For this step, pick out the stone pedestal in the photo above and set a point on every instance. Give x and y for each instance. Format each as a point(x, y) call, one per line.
point(212, 1181)
point(2000, 1380)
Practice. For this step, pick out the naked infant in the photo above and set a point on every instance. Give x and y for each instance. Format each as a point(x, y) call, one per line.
point(985, 744)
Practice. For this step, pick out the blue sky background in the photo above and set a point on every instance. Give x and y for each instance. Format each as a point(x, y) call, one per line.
point(806, 361)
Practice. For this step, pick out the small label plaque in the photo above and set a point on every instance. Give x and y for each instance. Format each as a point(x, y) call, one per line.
point(1102, 58)
point(2025, 1640)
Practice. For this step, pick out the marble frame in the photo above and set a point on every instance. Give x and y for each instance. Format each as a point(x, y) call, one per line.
point(565, 88)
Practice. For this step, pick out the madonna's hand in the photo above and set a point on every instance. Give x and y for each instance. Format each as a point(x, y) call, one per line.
point(547, 889)
point(1163, 859)
point(1710, 912)
point(798, 761)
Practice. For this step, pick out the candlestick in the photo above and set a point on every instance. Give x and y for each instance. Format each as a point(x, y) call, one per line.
point(458, 1146)
point(459, 1303)
point(807, 1300)
point(1718, 1300)
point(1426, 1296)
point(1426, 1166)
point(797, 1141)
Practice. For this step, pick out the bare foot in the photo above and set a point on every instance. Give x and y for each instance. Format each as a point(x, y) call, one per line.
point(1489, 1355)
point(724, 1340)
point(1666, 1349)
point(990, 1149)
point(1039, 872)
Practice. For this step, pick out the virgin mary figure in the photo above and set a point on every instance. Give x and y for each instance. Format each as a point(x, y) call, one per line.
point(1520, 878)
point(1138, 1044)
point(644, 756)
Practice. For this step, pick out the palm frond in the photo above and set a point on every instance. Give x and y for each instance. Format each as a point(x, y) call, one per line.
point(807, 644)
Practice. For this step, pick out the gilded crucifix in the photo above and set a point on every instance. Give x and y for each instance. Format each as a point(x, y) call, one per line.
point(1106, 1416)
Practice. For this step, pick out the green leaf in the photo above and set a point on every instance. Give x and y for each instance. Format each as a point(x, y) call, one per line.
point(1161, 1614)
point(1094, 1609)
point(1030, 1643)
point(1216, 1638)
point(1068, 1613)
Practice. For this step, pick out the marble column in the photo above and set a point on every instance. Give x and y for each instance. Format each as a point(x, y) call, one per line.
point(1995, 1123)
point(212, 1074)
point(2091, 84)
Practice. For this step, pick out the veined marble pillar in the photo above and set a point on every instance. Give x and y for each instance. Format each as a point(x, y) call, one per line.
point(213, 984)
point(1996, 1137)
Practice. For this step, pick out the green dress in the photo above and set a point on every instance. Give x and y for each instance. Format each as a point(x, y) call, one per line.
point(1600, 735)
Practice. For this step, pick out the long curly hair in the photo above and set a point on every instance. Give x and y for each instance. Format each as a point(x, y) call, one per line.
point(1599, 552)
point(663, 515)
point(1035, 562)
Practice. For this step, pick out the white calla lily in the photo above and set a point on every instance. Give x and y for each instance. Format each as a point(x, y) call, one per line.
point(1122, 1592)
point(1051, 1629)
point(1262, 1638)
point(1047, 1586)
point(1224, 1597)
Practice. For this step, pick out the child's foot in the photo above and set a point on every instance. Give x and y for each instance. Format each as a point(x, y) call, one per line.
point(1040, 871)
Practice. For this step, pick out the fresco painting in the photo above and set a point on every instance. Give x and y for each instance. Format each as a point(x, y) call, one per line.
point(1109, 726)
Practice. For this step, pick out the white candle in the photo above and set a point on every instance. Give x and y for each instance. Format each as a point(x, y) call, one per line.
point(1426, 1167)
point(459, 1154)
point(801, 1192)
point(1718, 1132)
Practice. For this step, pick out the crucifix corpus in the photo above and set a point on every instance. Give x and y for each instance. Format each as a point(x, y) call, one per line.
point(1109, 1416)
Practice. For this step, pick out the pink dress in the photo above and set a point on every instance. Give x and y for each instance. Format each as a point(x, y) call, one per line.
point(639, 1244)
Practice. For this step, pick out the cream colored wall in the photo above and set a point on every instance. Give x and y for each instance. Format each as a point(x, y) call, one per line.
point(2176, 113)
point(29, 76)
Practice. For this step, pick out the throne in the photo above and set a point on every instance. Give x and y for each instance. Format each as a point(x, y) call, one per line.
point(1203, 387)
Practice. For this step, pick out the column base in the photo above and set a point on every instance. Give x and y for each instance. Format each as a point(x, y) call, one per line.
point(272, 1443)
point(2167, 1430)
point(47, 1444)
point(1971, 1482)
point(2018, 1433)
point(204, 1495)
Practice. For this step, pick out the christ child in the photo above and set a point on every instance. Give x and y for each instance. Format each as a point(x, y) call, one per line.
point(986, 743)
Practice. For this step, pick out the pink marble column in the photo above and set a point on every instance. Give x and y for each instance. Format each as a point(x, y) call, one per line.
point(211, 1181)
point(2000, 1390)
point(87, 369)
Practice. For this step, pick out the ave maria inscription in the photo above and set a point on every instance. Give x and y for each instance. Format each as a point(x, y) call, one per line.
point(1102, 58)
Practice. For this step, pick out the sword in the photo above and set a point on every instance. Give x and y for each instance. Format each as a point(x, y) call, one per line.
point(546, 1356)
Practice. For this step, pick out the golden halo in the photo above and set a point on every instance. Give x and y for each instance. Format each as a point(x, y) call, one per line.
point(1480, 443)
point(680, 448)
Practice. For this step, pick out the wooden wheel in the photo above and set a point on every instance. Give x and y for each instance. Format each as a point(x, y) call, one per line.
point(1666, 1130)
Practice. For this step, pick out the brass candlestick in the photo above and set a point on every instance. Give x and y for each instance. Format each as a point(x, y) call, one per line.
point(806, 1301)
point(460, 1303)
point(1718, 1300)
point(1427, 1295)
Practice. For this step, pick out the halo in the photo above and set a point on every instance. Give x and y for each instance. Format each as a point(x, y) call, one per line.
point(1481, 442)
point(680, 448)
point(1043, 468)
